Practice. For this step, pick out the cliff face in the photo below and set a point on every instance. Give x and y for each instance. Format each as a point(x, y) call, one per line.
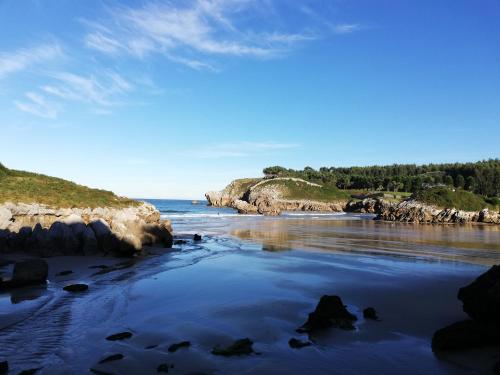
point(41, 230)
point(271, 199)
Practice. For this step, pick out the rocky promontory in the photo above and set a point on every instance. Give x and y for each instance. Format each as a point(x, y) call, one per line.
point(273, 196)
point(44, 231)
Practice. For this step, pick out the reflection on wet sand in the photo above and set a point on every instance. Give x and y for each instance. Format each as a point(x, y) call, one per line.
point(470, 243)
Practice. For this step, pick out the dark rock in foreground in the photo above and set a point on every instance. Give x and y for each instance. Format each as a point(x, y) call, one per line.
point(370, 313)
point(197, 237)
point(481, 298)
point(111, 358)
point(239, 347)
point(298, 344)
point(28, 272)
point(4, 367)
point(174, 347)
point(76, 288)
point(464, 335)
point(481, 301)
point(330, 312)
point(119, 336)
point(496, 368)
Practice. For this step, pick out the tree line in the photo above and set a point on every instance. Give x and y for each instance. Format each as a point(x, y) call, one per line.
point(482, 177)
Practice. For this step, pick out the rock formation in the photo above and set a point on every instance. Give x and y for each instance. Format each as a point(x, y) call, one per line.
point(481, 301)
point(44, 231)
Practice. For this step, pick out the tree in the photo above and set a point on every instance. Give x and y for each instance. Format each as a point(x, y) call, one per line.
point(470, 183)
point(448, 180)
point(459, 181)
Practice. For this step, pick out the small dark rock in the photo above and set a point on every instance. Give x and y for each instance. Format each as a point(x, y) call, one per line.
point(370, 313)
point(197, 237)
point(114, 357)
point(239, 347)
point(76, 288)
point(174, 347)
point(464, 335)
point(329, 312)
point(164, 367)
point(119, 336)
point(298, 344)
point(151, 347)
point(31, 371)
point(65, 273)
point(180, 242)
point(28, 272)
point(4, 367)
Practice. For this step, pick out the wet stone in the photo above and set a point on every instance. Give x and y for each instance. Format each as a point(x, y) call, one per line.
point(174, 347)
point(65, 273)
point(298, 344)
point(329, 312)
point(239, 347)
point(197, 237)
point(76, 288)
point(370, 313)
point(119, 336)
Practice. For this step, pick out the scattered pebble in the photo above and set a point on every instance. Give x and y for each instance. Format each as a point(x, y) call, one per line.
point(370, 313)
point(197, 237)
point(239, 347)
point(298, 344)
point(65, 273)
point(114, 357)
point(164, 367)
point(151, 347)
point(119, 336)
point(76, 288)
point(174, 347)
point(180, 242)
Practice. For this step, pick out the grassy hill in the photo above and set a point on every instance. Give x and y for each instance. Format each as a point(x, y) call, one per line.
point(26, 187)
point(463, 200)
point(302, 190)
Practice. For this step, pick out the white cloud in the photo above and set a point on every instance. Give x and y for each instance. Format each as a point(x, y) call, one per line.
point(239, 149)
point(38, 105)
point(23, 58)
point(100, 90)
point(346, 28)
point(187, 34)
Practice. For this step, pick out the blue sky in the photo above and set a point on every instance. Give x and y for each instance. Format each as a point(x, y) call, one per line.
point(174, 98)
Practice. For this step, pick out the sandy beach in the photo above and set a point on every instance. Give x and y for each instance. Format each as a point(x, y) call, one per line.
point(226, 288)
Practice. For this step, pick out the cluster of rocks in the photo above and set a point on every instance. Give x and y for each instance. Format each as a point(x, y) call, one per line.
point(44, 231)
point(481, 302)
point(412, 211)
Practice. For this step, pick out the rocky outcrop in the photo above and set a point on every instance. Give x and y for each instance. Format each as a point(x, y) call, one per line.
point(28, 272)
point(412, 211)
point(44, 231)
point(481, 301)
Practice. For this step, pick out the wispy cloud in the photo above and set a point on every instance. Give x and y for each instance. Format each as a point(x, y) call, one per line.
point(38, 105)
point(188, 33)
point(346, 28)
point(11, 62)
point(239, 149)
point(100, 90)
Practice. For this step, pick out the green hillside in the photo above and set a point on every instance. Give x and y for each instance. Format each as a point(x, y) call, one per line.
point(26, 187)
point(460, 199)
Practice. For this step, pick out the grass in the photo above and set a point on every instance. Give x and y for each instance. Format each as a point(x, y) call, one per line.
point(459, 199)
point(26, 187)
point(301, 190)
point(240, 186)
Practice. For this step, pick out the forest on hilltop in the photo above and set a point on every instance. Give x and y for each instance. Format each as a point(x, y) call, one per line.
point(482, 177)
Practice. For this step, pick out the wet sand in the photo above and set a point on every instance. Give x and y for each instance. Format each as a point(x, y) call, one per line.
point(227, 287)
